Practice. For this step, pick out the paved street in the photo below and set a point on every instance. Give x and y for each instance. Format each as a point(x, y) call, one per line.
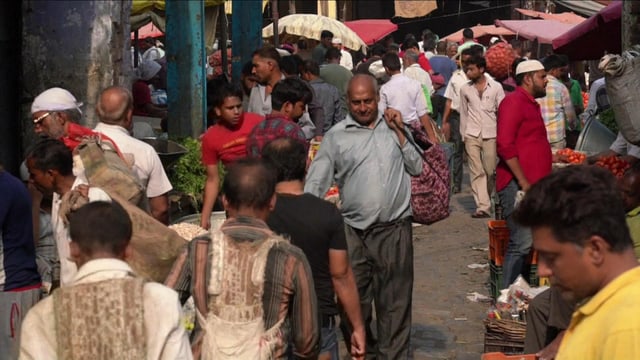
point(445, 324)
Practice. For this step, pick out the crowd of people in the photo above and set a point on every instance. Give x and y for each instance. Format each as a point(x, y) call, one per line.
point(287, 271)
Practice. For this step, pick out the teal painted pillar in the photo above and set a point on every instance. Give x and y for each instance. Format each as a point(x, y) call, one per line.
point(186, 78)
point(246, 33)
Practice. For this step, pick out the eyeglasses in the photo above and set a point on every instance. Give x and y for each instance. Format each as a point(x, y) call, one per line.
point(40, 118)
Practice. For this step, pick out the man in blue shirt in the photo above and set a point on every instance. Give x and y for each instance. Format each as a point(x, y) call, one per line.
point(19, 278)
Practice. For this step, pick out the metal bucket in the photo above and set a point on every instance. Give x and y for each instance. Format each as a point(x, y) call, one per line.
point(594, 137)
point(217, 218)
point(168, 151)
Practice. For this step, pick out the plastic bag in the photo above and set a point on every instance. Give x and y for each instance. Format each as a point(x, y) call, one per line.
point(622, 74)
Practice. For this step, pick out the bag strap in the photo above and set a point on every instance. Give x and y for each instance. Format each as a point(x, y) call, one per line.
point(199, 260)
point(409, 138)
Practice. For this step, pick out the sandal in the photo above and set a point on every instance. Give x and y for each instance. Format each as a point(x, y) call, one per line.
point(480, 215)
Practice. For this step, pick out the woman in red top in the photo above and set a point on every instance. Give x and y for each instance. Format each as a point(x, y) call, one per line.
point(225, 141)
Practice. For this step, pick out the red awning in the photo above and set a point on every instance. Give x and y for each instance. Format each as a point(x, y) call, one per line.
point(565, 17)
point(480, 31)
point(371, 30)
point(148, 30)
point(590, 40)
point(542, 30)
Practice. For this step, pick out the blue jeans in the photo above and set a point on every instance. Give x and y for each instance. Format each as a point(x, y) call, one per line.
point(519, 237)
point(329, 342)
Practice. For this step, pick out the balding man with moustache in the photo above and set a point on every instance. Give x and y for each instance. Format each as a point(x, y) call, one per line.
point(369, 157)
point(115, 111)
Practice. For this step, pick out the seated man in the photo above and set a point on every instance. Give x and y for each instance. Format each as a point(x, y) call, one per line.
point(107, 312)
point(577, 217)
point(621, 148)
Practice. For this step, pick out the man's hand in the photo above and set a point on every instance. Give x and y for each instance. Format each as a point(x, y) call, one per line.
point(205, 222)
point(393, 118)
point(550, 352)
point(358, 342)
point(524, 184)
point(557, 158)
point(446, 130)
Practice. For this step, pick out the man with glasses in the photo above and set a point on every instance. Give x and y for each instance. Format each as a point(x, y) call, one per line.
point(56, 114)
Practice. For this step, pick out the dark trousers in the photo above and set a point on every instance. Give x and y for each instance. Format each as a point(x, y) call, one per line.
point(547, 316)
point(382, 262)
point(458, 150)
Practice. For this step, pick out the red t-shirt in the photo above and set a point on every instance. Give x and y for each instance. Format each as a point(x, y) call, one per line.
point(221, 143)
point(522, 134)
point(141, 97)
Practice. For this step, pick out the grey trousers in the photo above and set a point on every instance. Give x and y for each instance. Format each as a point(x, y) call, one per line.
point(548, 315)
point(382, 262)
point(456, 139)
point(14, 306)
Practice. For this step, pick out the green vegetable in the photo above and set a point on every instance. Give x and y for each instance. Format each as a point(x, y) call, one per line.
point(189, 175)
point(608, 119)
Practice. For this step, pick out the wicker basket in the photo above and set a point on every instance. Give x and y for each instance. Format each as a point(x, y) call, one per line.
point(505, 336)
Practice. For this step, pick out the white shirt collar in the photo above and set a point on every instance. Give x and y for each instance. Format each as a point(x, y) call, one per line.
point(119, 128)
point(101, 265)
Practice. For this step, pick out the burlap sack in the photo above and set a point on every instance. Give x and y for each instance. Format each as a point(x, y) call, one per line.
point(154, 246)
point(104, 168)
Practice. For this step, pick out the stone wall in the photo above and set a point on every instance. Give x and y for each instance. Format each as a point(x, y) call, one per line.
point(82, 46)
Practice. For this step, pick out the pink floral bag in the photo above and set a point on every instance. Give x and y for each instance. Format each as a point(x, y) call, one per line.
point(430, 190)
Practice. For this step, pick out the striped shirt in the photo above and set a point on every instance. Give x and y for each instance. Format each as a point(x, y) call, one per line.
point(557, 110)
point(288, 286)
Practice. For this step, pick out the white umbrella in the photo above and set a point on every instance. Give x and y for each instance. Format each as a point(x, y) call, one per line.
point(311, 26)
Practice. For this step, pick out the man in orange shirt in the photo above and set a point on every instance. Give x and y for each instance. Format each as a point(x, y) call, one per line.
point(225, 141)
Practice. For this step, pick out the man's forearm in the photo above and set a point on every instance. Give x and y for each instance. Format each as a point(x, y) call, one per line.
point(159, 206)
point(514, 166)
point(347, 293)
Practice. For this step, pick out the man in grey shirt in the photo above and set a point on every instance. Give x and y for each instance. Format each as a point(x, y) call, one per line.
point(371, 160)
point(326, 95)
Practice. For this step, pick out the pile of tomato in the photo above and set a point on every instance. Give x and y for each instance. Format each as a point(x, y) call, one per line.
point(573, 157)
point(615, 164)
point(585, 99)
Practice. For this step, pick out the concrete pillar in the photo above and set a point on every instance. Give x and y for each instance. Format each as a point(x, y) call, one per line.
point(186, 76)
point(630, 24)
point(10, 124)
point(82, 46)
point(246, 33)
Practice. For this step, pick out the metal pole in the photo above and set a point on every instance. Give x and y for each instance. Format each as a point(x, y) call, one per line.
point(223, 41)
point(276, 34)
point(136, 52)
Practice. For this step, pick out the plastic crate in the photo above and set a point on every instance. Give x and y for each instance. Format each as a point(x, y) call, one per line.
point(495, 279)
point(502, 356)
point(498, 240)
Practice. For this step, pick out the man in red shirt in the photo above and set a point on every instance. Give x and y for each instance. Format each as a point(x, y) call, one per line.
point(225, 141)
point(525, 156)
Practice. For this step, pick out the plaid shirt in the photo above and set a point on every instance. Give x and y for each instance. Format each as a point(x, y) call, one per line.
point(557, 110)
point(271, 128)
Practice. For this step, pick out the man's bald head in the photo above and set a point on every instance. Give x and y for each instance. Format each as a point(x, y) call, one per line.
point(362, 80)
point(115, 105)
